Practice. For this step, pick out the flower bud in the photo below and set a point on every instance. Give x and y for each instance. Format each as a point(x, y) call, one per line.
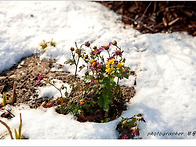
point(106, 47)
point(77, 51)
point(72, 49)
point(95, 47)
point(95, 81)
point(87, 44)
point(118, 52)
point(114, 43)
point(85, 57)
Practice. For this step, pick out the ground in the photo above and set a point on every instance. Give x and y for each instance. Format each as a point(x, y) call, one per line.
point(25, 75)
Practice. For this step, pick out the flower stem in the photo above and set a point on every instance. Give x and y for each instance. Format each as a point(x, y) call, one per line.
point(57, 89)
point(117, 81)
point(76, 66)
point(108, 53)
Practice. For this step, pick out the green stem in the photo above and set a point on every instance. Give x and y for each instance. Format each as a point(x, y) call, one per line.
point(73, 57)
point(118, 47)
point(77, 66)
point(56, 88)
point(108, 53)
point(81, 46)
point(78, 59)
point(117, 81)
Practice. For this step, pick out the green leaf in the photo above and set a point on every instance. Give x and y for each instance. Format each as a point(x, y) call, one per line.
point(105, 100)
point(132, 123)
point(16, 134)
point(66, 94)
point(124, 74)
point(70, 61)
point(62, 110)
point(19, 131)
point(52, 43)
point(123, 60)
point(81, 67)
point(105, 120)
point(4, 99)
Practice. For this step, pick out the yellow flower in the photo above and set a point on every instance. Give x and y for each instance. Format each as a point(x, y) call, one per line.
point(119, 65)
point(110, 70)
point(77, 50)
point(114, 43)
point(110, 62)
point(94, 64)
point(93, 60)
point(85, 57)
point(107, 66)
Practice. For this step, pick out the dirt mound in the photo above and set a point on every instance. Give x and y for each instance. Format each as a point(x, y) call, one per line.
point(25, 75)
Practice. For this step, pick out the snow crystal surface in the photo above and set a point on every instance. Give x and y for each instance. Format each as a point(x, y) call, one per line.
point(165, 65)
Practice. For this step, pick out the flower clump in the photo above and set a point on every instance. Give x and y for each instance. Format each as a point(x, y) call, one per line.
point(45, 44)
point(129, 127)
point(100, 74)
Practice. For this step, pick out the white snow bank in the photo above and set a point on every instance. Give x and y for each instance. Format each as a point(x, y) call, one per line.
point(47, 124)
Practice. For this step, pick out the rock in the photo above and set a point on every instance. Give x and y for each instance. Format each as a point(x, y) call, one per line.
point(2, 78)
point(12, 76)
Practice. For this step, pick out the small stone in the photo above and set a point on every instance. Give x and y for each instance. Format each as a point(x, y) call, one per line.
point(2, 77)
point(12, 76)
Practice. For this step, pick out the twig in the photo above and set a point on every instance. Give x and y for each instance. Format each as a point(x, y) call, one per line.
point(173, 21)
point(2, 135)
point(139, 23)
point(144, 12)
point(157, 13)
point(10, 112)
point(56, 88)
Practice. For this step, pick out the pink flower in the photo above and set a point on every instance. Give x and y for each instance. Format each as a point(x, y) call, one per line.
point(87, 44)
point(135, 131)
point(125, 70)
point(118, 53)
point(95, 81)
point(40, 77)
point(125, 136)
point(107, 46)
point(99, 65)
point(90, 67)
point(102, 48)
point(98, 51)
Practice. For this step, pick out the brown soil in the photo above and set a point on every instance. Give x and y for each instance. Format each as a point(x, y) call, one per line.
point(156, 16)
point(25, 75)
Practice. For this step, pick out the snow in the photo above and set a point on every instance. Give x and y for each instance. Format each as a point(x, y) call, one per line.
point(164, 63)
point(50, 91)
